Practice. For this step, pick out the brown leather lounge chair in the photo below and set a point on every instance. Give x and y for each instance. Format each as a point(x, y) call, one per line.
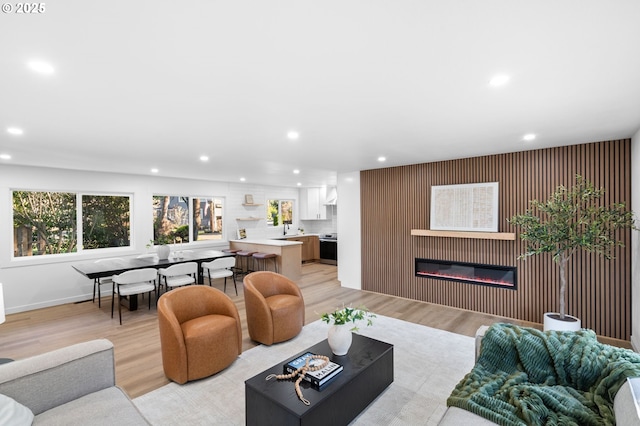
point(200, 332)
point(275, 307)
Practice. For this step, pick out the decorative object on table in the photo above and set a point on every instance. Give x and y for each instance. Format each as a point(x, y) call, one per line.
point(163, 252)
point(179, 253)
point(569, 220)
point(319, 377)
point(339, 336)
point(248, 199)
point(301, 373)
point(162, 241)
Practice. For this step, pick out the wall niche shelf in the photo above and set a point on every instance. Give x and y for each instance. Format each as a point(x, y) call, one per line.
point(507, 236)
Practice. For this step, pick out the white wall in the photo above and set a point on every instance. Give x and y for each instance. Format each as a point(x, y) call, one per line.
point(41, 281)
point(349, 235)
point(635, 243)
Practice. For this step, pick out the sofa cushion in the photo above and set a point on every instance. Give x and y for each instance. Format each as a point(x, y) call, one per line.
point(109, 406)
point(14, 413)
point(625, 407)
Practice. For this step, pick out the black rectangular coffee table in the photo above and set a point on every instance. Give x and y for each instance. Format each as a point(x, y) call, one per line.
point(368, 370)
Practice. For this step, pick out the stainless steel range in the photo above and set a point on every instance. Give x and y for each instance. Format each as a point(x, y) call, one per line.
point(329, 248)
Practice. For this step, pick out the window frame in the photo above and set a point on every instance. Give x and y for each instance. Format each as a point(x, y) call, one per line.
point(80, 250)
point(191, 224)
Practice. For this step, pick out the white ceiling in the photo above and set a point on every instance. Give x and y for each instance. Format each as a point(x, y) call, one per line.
point(142, 84)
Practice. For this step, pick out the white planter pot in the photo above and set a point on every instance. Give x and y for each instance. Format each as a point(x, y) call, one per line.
point(339, 339)
point(163, 252)
point(552, 321)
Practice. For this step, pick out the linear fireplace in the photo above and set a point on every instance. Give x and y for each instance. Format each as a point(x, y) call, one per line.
point(473, 273)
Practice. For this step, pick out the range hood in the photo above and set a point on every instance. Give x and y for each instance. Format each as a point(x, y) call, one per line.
point(332, 196)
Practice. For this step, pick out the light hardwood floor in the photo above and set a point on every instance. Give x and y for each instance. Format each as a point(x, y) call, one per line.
point(137, 341)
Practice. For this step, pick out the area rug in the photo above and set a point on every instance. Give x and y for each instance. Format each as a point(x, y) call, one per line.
point(428, 363)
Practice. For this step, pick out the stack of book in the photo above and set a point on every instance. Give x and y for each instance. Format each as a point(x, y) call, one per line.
point(317, 378)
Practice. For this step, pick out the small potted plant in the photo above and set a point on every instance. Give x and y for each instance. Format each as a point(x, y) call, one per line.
point(162, 241)
point(339, 336)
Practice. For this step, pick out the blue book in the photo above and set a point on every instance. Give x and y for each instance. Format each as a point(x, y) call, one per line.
point(318, 377)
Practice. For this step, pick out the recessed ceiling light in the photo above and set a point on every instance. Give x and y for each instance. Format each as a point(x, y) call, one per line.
point(41, 67)
point(15, 131)
point(242, 179)
point(293, 135)
point(499, 80)
point(204, 158)
point(5, 157)
point(529, 137)
point(382, 159)
point(154, 170)
point(296, 171)
point(299, 184)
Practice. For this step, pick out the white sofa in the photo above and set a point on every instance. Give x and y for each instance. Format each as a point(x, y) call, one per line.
point(74, 385)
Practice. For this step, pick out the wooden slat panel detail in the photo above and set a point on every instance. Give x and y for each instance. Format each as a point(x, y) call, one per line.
point(396, 200)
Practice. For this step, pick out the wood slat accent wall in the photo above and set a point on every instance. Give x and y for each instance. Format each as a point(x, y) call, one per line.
point(396, 200)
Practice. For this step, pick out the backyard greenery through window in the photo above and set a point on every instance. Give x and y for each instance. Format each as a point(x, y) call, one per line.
point(173, 222)
point(51, 222)
point(279, 212)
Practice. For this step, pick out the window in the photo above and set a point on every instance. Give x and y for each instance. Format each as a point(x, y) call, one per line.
point(106, 221)
point(173, 222)
point(51, 223)
point(207, 219)
point(279, 211)
point(170, 219)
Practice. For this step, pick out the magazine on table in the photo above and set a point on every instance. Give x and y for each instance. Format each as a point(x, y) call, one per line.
point(318, 377)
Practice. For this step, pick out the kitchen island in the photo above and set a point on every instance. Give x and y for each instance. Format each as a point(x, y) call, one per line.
point(289, 253)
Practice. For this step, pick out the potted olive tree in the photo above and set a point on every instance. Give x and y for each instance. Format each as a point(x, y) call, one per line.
point(571, 219)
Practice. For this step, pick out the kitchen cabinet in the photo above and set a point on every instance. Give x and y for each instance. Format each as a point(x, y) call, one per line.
point(310, 247)
point(312, 205)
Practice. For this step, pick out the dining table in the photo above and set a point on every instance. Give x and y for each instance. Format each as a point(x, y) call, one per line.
point(114, 266)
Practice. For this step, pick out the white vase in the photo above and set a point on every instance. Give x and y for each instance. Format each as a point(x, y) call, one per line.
point(553, 322)
point(163, 252)
point(339, 339)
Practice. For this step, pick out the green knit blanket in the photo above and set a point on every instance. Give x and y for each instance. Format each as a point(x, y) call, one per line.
point(528, 377)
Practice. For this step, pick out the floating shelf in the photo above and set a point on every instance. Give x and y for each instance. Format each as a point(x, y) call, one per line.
point(507, 236)
point(248, 218)
point(251, 204)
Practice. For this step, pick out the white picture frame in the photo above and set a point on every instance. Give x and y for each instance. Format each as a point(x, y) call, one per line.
point(465, 207)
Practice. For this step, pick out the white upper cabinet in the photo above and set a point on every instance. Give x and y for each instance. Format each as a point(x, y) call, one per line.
point(312, 205)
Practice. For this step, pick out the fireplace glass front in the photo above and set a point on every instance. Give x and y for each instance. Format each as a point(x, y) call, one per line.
point(473, 273)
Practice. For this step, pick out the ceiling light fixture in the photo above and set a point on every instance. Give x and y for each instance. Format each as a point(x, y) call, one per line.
point(499, 80)
point(154, 170)
point(242, 179)
point(5, 157)
point(41, 67)
point(299, 184)
point(529, 137)
point(15, 131)
point(296, 172)
point(293, 135)
point(382, 159)
point(204, 158)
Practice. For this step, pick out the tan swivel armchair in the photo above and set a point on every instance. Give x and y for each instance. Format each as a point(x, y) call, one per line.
point(200, 332)
point(275, 307)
